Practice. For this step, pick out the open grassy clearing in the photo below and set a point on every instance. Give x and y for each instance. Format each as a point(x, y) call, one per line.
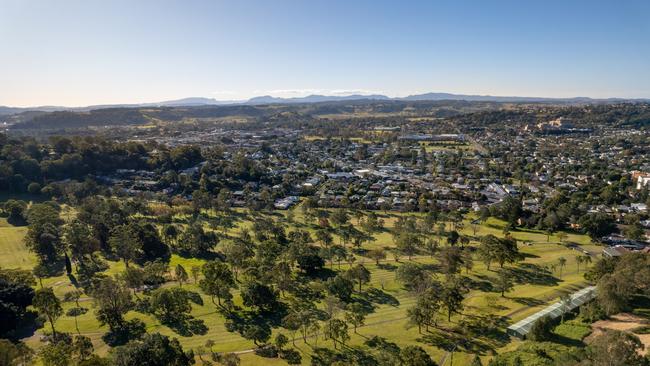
point(389, 318)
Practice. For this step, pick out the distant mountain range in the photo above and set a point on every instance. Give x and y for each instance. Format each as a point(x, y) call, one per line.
point(267, 99)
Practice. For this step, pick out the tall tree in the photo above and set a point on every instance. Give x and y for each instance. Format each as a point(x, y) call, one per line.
point(360, 274)
point(46, 302)
point(503, 282)
point(181, 274)
point(44, 234)
point(453, 294)
point(152, 350)
point(125, 243)
point(113, 300)
point(218, 281)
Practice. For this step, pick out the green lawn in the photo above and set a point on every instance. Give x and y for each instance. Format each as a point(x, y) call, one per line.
point(388, 319)
point(12, 250)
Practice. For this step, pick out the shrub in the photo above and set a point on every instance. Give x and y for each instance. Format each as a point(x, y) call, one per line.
point(542, 330)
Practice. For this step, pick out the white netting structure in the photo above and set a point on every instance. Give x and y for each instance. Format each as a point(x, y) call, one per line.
point(521, 328)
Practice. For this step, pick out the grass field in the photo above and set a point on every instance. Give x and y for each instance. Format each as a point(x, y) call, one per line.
point(389, 318)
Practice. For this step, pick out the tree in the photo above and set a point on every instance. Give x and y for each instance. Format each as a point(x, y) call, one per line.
point(562, 236)
point(340, 217)
point(377, 254)
point(468, 260)
point(238, 253)
point(476, 361)
point(340, 287)
point(452, 297)
point(134, 278)
point(475, 226)
point(356, 315)
point(303, 317)
point(407, 243)
point(451, 259)
point(153, 350)
point(453, 237)
point(415, 356)
point(541, 330)
point(217, 281)
point(196, 271)
point(170, 305)
point(579, 260)
point(56, 354)
point(634, 232)
point(337, 331)
point(324, 237)
point(487, 249)
point(181, 274)
point(73, 296)
point(113, 300)
point(425, 311)
point(170, 233)
point(597, 225)
point(195, 241)
point(257, 333)
point(280, 341)
point(48, 305)
point(503, 283)
point(281, 276)
point(125, 243)
point(565, 302)
point(229, 359)
point(615, 348)
point(79, 240)
point(82, 347)
point(260, 296)
point(507, 251)
point(15, 297)
point(413, 276)
point(561, 262)
point(502, 251)
point(431, 246)
point(16, 211)
point(309, 261)
point(14, 354)
point(360, 274)
point(614, 292)
point(44, 234)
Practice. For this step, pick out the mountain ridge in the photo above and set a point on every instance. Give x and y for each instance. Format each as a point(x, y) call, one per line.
point(316, 98)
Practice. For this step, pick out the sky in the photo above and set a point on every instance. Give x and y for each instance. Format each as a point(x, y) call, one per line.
point(88, 52)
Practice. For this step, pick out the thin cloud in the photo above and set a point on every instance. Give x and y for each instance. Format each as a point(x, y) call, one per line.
point(305, 92)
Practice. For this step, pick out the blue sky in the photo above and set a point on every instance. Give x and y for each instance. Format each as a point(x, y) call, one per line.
point(85, 52)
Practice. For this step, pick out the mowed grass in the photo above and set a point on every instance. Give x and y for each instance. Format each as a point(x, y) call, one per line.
point(13, 253)
point(388, 319)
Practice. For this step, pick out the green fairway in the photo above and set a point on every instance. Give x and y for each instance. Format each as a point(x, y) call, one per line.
point(389, 317)
point(13, 253)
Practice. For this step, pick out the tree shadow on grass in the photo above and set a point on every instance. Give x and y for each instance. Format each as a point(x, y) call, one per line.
point(528, 273)
point(188, 326)
point(476, 334)
point(528, 301)
point(322, 274)
point(566, 341)
point(29, 325)
point(360, 251)
point(387, 267)
point(377, 296)
point(238, 320)
point(483, 284)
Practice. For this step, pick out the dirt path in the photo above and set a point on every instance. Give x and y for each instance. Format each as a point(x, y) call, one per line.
point(624, 322)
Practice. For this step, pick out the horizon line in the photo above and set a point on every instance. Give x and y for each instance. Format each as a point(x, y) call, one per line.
point(332, 93)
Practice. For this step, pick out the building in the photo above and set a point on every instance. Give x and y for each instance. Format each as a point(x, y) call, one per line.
point(521, 328)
